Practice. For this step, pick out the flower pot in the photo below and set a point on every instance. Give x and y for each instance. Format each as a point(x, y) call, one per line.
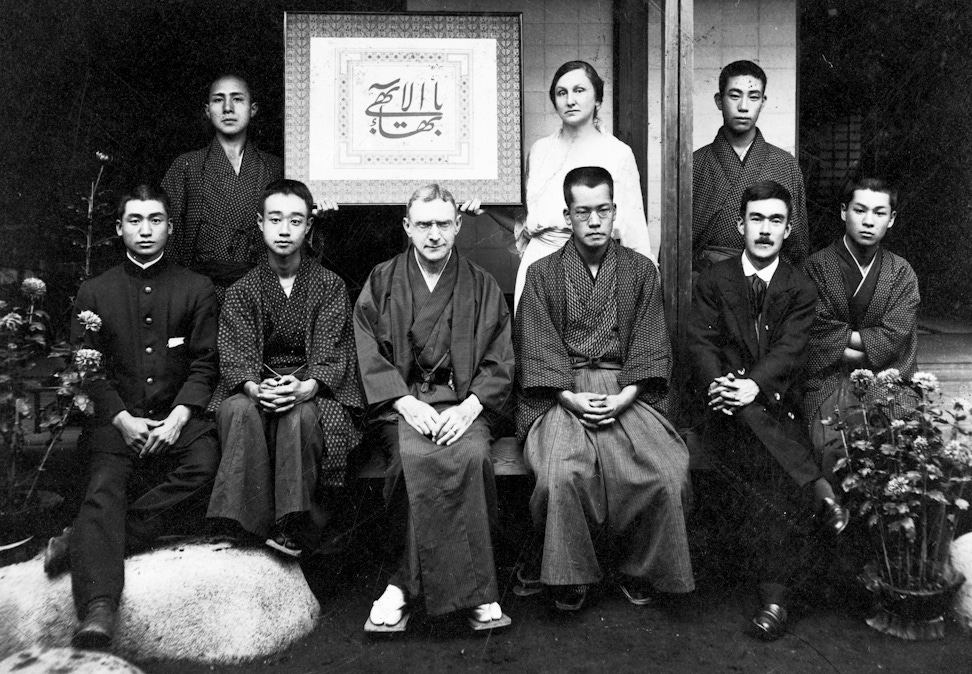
point(915, 615)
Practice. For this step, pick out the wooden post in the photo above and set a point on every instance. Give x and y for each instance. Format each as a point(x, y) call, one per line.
point(631, 82)
point(675, 255)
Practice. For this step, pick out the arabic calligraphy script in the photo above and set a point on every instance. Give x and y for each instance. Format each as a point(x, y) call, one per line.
point(402, 110)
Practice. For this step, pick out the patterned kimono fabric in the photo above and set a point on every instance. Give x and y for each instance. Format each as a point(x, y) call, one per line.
point(623, 485)
point(851, 303)
point(272, 463)
point(719, 178)
point(440, 499)
point(214, 223)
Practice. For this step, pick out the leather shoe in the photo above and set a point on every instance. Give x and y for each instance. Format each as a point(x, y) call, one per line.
point(57, 556)
point(97, 629)
point(834, 516)
point(770, 622)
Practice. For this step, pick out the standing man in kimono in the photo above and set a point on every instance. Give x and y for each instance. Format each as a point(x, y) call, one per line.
point(747, 337)
point(433, 337)
point(867, 311)
point(157, 339)
point(595, 360)
point(214, 190)
point(288, 384)
point(737, 158)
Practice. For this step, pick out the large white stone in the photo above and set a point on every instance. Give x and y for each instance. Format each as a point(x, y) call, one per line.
point(962, 562)
point(202, 601)
point(40, 660)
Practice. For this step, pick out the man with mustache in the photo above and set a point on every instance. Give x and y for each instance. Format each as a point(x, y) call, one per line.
point(737, 158)
point(214, 190)
point(748, 332)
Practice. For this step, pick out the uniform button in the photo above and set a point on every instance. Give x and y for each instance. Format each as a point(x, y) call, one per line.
point(148, 289)
point(148, 349)
point(148, 320)
point(150, 381)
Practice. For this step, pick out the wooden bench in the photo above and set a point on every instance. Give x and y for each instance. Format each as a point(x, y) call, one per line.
point(506, 453)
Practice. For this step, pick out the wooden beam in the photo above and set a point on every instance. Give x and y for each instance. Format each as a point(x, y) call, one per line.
point(631, 82)
point(675, 255)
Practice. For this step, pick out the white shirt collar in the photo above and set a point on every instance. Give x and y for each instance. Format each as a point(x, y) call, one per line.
point(766, 273)
point(140, 265)
point(431, 279)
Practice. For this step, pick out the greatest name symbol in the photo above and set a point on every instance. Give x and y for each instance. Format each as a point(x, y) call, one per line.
point(406, 114)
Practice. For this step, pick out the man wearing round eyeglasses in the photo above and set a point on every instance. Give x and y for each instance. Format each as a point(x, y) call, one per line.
point(594, 360)
point(433, 336)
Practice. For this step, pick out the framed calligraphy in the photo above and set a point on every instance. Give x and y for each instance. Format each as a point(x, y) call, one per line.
point(379, 104)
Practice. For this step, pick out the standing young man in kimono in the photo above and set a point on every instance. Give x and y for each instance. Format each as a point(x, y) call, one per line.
point(594, 361)
point(288, 384)
point(748, 331)
point(867, 312)
point(433, 337)
point(214, 191)
point(736, 159)
point(157, 339)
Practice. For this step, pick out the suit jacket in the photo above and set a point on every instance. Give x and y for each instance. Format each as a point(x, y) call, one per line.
point(722, 339)
point(157, 339)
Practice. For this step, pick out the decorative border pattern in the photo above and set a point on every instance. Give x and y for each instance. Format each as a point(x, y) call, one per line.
point(301, 27)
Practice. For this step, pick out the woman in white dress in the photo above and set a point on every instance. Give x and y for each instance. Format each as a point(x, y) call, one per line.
point(576, 92)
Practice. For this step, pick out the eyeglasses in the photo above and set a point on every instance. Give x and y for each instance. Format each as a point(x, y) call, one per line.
point(602, 212)
point(443, 225)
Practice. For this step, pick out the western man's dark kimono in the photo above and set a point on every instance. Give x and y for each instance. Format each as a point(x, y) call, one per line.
point(762, 450)
point(882, 307)
point(214, 209)
point(273, 463)
point(440, 347)
point(158, 340)
point(719, 178)
point(624, 484)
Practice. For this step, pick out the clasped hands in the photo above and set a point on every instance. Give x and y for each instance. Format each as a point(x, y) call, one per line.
point(443, 428)
point(728, 394)
point(280, 394)
point(146, 436)
point(595, 410)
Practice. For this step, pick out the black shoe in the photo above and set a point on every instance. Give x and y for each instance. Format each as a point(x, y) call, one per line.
point(57, 556)
point(571, 597)
point(97, 629)
point(770, 622)
point(834, 516)
point(636, 590)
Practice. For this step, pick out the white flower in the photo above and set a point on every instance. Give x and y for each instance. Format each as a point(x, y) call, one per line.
point(90, 320)
point(11, 321)
point(862, 377)
point(958, 452)
point(88, 358)
point(102, 157)
point(888, 378)
point(33, 287)
point(896, 486)
point(925, 381)
point(897, 424)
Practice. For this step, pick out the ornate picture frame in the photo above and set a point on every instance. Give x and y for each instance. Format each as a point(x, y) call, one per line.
point(379, 104)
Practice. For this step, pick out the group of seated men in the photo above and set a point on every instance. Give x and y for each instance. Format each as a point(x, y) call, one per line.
point(246, 413)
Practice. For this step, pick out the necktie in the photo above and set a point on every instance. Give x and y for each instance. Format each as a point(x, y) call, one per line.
point(756, 296)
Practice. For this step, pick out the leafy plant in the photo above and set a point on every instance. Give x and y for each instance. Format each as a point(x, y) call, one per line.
point(906, 472)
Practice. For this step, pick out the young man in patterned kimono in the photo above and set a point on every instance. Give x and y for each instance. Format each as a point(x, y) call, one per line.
point(288, 388)
point(594, 361)
point(748, 331)
point(736, 159)
point(433, 337)
point(152, 454)
point(866, 314)
point(214, 190)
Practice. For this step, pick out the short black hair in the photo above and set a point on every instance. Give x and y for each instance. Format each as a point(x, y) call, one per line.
point(235, 76)
point(873, 184)
point(766, 189)
point(588, 69)
point(286, 186)
point(740, 69)
point(588, 176)
point(144, 192)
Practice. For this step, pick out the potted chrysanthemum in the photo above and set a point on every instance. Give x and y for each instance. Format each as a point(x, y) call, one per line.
point(907, 473)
